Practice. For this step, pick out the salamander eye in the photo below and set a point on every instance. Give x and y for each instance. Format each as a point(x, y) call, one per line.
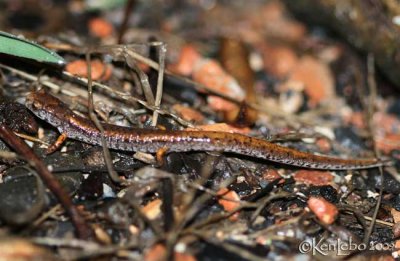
point(36, 105)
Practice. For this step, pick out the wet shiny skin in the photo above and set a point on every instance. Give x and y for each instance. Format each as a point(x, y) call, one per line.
point(52, 110)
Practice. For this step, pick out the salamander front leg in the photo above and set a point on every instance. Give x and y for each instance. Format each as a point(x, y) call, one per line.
point(160, 156)
point(57, 144)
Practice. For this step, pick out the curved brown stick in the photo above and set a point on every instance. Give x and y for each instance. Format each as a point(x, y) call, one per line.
point(18, 145)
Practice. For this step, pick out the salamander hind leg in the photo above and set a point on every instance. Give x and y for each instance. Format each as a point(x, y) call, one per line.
point(57, 144)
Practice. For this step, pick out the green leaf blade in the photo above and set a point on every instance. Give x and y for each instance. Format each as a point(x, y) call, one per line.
point(15, 46)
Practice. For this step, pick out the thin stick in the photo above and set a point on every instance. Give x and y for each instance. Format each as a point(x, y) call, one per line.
point(161, 59)
point(34, 78)
point(370, 111)
point(270, 110)
point(82, 80)
point(143, 79)
point(106, 152)
point(30, 138)
point(130, 98)
point(127, 14)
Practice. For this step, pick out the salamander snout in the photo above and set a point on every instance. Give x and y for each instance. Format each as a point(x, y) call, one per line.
point(30, 101)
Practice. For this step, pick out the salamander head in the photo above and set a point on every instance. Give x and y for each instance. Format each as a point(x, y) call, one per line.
point(47, 107)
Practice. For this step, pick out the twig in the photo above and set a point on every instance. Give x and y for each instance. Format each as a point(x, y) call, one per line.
point(127, 14)
point(264, 201)
point(30, 138)
point(130, 98)
point(217, 217)
point(155, 227)
point(89, 249)
point(67, 242)
point(46, 215)
point(384, 223)
point(370, 111)
point(161, 61)
point(143, 79)
point(243, 253)
point(34, 78)
point(167, 206)
point(106, 152)
point(191, 205)
point(84, 81)
point(201, 87)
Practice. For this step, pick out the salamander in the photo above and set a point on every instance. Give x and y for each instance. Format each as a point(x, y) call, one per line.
point(52, 110)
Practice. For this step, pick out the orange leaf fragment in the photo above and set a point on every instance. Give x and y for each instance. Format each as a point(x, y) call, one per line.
point(395, 215)
point(229, 200)
point(279, 60)
point(100, 27)
point(396, 230)
point(99, 70)
point(188, 113)
point(390, 123)
point(22, 250)
point(323, 144)
point(183, 257)
point(387, 143)
point(317, 79)
point(313, 177)
point(277, 24)
point(187, 59)
point(325, 211)
point(159, 253)
point(153, 209)
point(271, 175)
point(210, 73)
point(220, 127)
